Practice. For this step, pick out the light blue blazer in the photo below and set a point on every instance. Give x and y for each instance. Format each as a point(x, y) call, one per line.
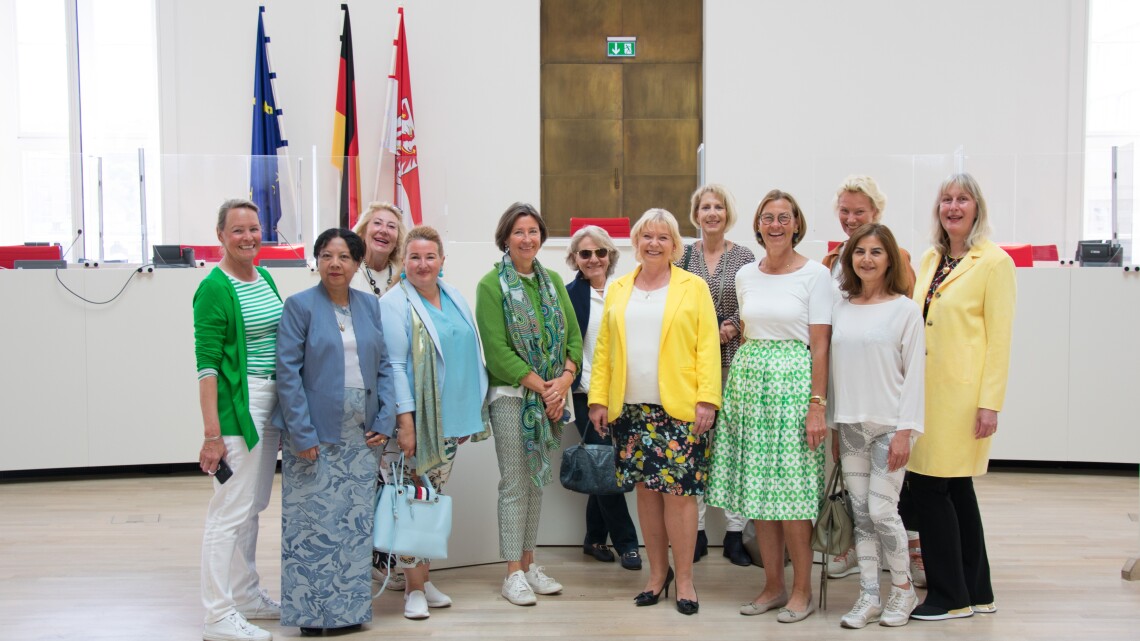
point(398, 336)
point(310, 368)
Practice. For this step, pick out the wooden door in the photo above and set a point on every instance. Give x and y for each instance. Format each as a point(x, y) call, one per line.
point(619, 135)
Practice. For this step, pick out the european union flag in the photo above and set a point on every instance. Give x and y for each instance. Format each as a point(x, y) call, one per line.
point(264, 181)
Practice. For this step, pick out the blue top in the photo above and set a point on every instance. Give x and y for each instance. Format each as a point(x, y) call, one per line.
point(458, 342)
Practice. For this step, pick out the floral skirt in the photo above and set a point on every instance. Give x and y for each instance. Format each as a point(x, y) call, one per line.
point(762, 467)
point(660, 451)
point(327, 508)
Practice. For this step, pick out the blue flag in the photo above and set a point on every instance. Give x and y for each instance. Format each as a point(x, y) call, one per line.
point(264, 180)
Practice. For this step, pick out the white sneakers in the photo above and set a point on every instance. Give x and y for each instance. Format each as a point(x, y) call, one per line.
point(234, 627)
point(517, 591)
point(415, 605)
point(435, 598)
point(263, 607)
point(842, 565)
point(866, 610)
point(541, 584)
point(899, 606)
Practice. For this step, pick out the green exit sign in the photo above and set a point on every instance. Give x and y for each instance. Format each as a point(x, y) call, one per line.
point(621, 47)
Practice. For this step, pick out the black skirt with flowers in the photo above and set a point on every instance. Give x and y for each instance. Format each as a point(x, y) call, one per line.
point(660, 451)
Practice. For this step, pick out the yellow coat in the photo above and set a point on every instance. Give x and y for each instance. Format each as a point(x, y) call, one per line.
point(968, 329)
point(688, 363)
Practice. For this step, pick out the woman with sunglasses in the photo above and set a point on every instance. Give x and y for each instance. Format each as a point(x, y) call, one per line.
point(593, 255)
point(716, 259)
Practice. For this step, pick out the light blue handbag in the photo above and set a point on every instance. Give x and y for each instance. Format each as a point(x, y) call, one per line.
point(411, 520)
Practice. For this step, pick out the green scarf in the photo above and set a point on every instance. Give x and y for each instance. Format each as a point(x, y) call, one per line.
point(540, 339)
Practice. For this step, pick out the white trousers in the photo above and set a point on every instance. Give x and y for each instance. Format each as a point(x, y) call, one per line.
point(229, 544)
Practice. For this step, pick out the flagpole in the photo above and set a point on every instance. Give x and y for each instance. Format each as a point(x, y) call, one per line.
point(376, 195)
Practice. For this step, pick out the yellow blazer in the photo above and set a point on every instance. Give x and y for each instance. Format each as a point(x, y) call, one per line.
point(968, 329)
point(688, 362)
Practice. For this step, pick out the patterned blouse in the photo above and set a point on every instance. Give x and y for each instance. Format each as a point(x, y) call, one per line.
point(945, 266)
point(722, 285)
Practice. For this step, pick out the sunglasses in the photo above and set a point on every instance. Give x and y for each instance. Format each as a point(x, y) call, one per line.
point(585, 254)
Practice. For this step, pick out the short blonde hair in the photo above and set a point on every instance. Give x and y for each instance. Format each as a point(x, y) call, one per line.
point(601, 238)
point(657, 215)
point(423, 232)
point(397, 255)
point(797, 213)
point(868, 187)
point(723, 195)
point(981, 229)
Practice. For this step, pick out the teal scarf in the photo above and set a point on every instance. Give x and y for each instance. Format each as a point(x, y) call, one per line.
point(539, 337)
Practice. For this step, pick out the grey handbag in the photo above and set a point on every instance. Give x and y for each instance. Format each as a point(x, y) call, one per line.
point(589, 469)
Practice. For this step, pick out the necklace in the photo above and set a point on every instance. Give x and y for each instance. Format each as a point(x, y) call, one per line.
point(343, 314)
point(949, 263)
point(372, 279)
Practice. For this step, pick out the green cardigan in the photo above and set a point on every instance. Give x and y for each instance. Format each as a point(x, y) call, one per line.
point(219, 344)
point(504, 365)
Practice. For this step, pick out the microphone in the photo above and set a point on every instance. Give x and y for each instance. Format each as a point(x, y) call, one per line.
point(78, 233)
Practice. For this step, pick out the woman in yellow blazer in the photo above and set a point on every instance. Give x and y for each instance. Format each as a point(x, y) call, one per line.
point(967, 292)
point(656, 376)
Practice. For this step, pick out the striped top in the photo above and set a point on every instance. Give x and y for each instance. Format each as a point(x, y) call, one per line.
point(260, 312)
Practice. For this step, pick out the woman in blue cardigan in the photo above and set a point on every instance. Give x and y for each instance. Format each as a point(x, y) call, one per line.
point(334, 387)
point(441, 386)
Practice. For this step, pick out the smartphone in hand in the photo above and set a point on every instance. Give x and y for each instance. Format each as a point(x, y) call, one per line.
point(224, 471)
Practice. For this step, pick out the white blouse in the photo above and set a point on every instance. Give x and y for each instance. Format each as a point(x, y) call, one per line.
point(643, 319)
point(878, 364)
point(780, 307)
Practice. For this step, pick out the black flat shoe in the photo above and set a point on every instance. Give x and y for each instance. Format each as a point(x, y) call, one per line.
point(312, 632)
point(734, 549)
point(702, 547)
point(631, 560)
point(687, 607)
point(649, 598)
point(348, 629)
point(599, 551)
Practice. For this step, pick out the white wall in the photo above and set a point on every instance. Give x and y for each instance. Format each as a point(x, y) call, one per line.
point(797, 95)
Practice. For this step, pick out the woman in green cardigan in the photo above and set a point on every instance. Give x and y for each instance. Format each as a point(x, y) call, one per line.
point(236, 312)
point(534, 351)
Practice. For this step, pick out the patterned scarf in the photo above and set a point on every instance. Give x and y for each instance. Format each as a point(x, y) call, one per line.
point(540, 339)
point(430, 451)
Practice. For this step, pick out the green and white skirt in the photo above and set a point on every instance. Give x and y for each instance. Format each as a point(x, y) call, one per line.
point(762, 467)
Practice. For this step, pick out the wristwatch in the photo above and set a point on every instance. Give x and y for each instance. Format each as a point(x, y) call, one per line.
point(818, 400)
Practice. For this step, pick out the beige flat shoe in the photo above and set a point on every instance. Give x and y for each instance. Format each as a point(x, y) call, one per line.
point(791, 616)
point(753, 608)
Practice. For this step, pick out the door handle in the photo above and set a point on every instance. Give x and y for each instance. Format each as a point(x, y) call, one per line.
point(617, 178)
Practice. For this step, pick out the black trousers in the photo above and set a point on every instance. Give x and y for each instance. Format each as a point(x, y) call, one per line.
point(946, 513)
point(605, 515)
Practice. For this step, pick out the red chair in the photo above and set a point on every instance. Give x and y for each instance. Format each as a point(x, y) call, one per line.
point(280, 252)
point(832, 244)
point(207, 253)
point(1022, 255)
point(1045, 253)
point(615, 227)
point(9, 254)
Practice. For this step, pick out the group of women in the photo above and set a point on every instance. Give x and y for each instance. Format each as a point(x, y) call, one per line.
point(374, 368)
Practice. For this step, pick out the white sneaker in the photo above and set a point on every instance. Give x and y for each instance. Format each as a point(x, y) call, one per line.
point(540, 583)
point(416, 605)
point(234, 627)
point(899, 606)
point(842, 565)
point(516, 590)
point(435, 598)
point(917, 568)
point(263, 607)
point(866, 610)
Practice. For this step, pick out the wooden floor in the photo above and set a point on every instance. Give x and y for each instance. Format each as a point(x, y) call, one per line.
point(118, 558)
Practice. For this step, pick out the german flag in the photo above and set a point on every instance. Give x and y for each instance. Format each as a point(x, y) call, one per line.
point(345, 151)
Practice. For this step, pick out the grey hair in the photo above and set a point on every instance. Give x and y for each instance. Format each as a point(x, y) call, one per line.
point(601, 238)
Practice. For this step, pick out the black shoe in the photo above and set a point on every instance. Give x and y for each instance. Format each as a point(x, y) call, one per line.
point(599, 551)
point(312, 632)
point(702, 547)
point(348, 629)
point(687, 607)
point(649, 598)
point(631, 560)
point(734, 549)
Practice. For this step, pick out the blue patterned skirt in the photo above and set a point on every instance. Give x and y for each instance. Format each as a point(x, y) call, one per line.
point(327, 509)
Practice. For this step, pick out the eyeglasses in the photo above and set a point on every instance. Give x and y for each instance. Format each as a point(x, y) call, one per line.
point(768, 219)
point(585, 254)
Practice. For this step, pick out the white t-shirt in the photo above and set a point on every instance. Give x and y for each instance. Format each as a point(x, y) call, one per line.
point(781, 307)
point(643, 319)
point(590, 339)
point(878, 364)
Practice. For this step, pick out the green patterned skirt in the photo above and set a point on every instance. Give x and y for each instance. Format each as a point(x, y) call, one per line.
point(762, 467)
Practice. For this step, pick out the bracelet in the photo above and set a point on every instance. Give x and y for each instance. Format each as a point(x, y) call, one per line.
point(212, 438)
